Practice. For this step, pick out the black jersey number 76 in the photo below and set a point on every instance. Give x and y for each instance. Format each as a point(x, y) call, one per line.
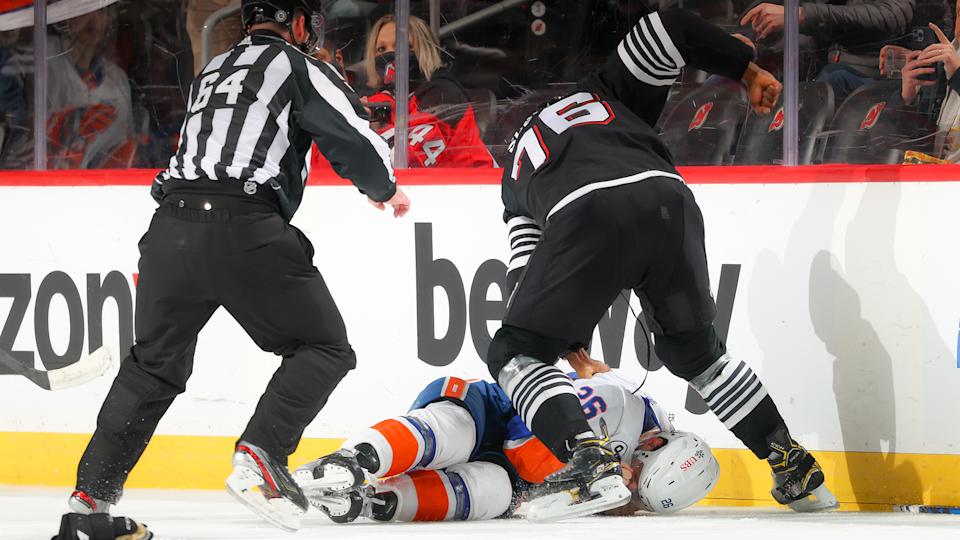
point(580, 109)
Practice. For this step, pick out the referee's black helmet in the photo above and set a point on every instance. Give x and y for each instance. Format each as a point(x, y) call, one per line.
point(282, 12)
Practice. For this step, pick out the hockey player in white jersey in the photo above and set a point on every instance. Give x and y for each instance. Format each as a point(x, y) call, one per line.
point(462, 453)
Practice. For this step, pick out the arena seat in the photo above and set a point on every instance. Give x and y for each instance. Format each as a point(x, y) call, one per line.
point(761, 140)
point(701, 128)
point(865, 129)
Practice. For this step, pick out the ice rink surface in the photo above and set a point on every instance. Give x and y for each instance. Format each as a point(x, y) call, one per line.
point(34, 513)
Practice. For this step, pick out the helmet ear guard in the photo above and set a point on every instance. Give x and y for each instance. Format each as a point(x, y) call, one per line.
point(258, 12)
point(677, 469)
point(283, 12)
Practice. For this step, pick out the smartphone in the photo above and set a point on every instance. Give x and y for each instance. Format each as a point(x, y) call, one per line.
point(920, 38)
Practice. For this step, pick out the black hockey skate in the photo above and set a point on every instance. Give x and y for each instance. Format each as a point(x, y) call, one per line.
point(339, 472)
point(591, 482)
point(797, 477)
point(266, 487)
point(100, 526)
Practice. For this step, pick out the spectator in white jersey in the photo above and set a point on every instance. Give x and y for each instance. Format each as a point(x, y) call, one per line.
point(89, 109)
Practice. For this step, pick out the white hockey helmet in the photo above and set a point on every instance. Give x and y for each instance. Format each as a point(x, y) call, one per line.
point(676, 469)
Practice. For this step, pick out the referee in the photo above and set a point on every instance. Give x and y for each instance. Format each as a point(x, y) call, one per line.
point(222, 237)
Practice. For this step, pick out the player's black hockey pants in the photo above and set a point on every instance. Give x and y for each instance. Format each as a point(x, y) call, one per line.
point(258, 267)
point(647, 236)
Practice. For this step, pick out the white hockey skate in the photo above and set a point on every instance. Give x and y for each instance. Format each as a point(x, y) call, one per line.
point(266, 487)
point(606, 493)
point(335, 473)
point(591, 482)
point(364, 501)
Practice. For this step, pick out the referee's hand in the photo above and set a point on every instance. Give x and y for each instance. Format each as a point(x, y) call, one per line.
point(399, 202)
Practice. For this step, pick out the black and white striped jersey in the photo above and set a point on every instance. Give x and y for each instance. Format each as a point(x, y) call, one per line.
point(602, 134)
point(252, 115)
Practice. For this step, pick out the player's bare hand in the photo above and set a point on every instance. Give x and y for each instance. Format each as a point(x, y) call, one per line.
point(763, 89)
point(585, 366)
point(399, 202)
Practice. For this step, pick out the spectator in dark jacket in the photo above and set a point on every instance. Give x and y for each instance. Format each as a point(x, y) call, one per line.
point(851, 31)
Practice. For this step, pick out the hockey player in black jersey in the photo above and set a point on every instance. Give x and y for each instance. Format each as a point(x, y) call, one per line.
point(594, 205)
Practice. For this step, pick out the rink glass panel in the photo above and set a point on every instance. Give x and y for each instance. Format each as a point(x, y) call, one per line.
point(117, 79)
point(16, 96)
point(523, 53)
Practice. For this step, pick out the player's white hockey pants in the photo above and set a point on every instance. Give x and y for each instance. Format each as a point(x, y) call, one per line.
point(424, 454)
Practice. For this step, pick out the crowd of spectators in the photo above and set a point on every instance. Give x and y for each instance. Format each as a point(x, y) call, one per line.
point(117, 74)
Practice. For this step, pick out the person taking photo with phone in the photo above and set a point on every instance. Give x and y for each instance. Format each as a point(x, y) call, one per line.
point(937, 110)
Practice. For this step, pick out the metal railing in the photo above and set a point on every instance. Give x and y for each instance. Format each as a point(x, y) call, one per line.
point(206, 34)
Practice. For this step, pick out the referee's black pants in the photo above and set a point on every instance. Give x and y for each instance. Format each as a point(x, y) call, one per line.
point(258, 267)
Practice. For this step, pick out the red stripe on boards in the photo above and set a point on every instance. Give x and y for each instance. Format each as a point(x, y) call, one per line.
point(772, 174)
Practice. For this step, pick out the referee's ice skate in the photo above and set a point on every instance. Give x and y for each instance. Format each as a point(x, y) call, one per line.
point(81, 502)
point(266, 487)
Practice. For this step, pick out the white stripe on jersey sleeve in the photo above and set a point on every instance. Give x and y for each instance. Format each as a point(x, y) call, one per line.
point(657, 25)
point(524, 234)
point(649, 54)
point(339, 101)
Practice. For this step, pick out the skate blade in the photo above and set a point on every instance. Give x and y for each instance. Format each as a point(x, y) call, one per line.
point(328, 502)
point(244, 484)
point(819, 500)
point(332, 507)
point(610, 494)
point(335, 479)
